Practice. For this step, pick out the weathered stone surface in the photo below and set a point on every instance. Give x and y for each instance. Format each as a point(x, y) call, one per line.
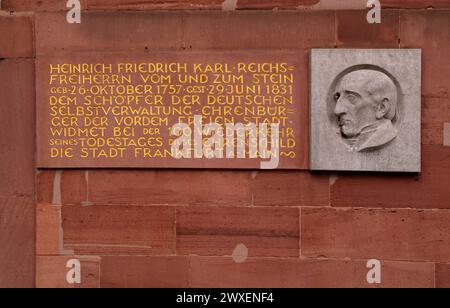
point(49, 233)
point(17, 235)
point(435, 113)
point(16, 36)
point(257, 30)
point(172, 187)
point(416, 4)
point(51, 272)
point(290, 188)
point(109, 32)
point(412, 235)
point(217, 231)
point(443, 276)
point(219, 272)
point(274, 4)
point(37, 6)
point(105, 230)
point(383, 35)
point(145, 272)
point(429, 30)
point(351, 133)
point(173, 31)
point(44, 186)
point(59, 187)
point(429, 190)
point(17, 209)
point(154, 5)
point(17, 134)
point(55, 5)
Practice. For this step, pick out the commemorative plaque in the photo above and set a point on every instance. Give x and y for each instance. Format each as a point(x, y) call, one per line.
point(172, 110)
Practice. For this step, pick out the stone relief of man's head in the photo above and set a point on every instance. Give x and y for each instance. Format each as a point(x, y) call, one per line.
point(365, 101)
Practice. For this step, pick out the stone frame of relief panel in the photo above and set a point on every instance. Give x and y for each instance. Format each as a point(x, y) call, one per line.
point(366, 110)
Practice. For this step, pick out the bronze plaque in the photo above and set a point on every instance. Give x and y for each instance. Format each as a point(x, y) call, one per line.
point(172, 110)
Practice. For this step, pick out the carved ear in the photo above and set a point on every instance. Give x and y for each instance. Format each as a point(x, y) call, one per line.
point(383, 108)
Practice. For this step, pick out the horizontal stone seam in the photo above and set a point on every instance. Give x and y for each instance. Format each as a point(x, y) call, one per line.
point(273, 258)
point(388, 209)
point(249, 206)
point(418, 261)
point(12, 12)
point(3, 58)
point(20, 196)
point(302, 258)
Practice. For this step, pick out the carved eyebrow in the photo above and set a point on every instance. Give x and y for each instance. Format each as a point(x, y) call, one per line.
point(352, 93)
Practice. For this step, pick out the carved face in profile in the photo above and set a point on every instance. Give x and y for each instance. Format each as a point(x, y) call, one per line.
point(365, 99)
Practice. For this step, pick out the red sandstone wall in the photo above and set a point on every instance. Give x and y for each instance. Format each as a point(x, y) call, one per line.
point(180, 228)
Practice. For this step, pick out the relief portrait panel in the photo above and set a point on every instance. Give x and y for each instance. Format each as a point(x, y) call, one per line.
point(365, 110)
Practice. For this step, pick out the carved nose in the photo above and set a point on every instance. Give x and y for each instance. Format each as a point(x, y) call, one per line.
point(339, 109)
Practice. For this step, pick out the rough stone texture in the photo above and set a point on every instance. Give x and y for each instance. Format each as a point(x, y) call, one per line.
point(328, 151)
point(17, 215)
point(435, 113)
point(384, 35)
point(36, 6)
point(145, 272)
point(55, 5)
point(416, 4)
point(290, 188)
point(429, 30)
point(182, 187)
point(59, 187)
point(108, 32)
point(51, 272)
point(376, 234)
point(44, 186)
point(213, 231)
point(259, 30)
point(17, 242)
point(150, 187)
point(279, 4)
point(429, 190)
point(294, 273)
point(48, 226)
point(105, 230)
point(154, 5)
point(17, 123)
point(443, 276)
point(16, 37)
point(99, 31)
